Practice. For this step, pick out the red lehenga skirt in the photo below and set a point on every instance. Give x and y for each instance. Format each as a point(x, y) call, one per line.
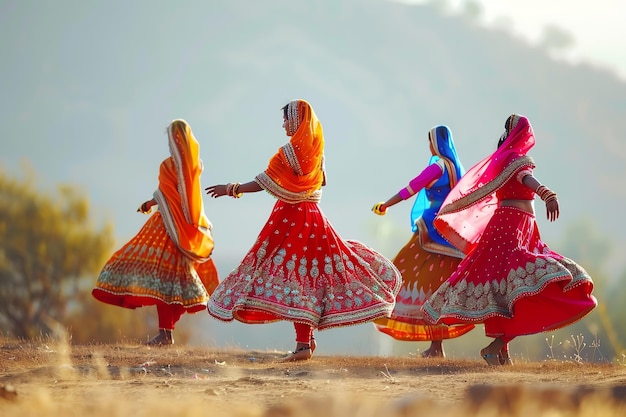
point(513, 283)
point(151, 270)
point(300, 270)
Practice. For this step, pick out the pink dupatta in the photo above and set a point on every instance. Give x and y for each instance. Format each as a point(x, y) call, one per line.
point(471, 203)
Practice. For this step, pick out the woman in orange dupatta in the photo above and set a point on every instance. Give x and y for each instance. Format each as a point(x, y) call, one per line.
point(299, 269)
point(168, 262)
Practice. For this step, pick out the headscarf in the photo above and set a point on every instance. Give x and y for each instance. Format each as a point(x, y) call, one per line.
point(440, 138)
point(179, 194)
point(296, 171)
point(470, 205)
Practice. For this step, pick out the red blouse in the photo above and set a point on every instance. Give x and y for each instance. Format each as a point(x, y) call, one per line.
point(514, 188)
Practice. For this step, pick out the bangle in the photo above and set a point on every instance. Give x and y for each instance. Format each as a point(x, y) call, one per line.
point(550, 197)
point(545, 193)
point(235, 191)
point(377, 209)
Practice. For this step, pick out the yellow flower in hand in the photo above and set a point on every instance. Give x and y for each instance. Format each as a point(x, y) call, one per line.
point(377, 209)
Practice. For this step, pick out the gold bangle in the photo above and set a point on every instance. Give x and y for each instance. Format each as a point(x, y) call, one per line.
point(541, 190)
point(377, 209)
point(551, 197)
point(235, 192)
point(545, 193)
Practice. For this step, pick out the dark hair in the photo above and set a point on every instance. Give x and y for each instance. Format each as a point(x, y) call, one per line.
point(284, 109)
point(507, 129)
point(502, 138)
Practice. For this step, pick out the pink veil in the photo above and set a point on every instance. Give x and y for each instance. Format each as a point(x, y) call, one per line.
point(471, 203)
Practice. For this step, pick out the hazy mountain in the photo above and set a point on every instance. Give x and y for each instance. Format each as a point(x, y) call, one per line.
point(88, 89)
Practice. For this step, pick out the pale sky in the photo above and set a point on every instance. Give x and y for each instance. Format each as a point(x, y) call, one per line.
point(597, 26)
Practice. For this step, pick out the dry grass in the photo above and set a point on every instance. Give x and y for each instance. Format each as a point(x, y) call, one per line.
point(56, 379)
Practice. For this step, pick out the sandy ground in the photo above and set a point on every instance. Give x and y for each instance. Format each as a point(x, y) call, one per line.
point(55, 378)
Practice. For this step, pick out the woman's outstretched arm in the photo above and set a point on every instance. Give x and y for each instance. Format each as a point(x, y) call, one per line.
point(547, 195)
point(233, 189)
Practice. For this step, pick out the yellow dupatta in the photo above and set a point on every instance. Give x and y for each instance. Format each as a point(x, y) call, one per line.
point(179, 194)
point(296, 171)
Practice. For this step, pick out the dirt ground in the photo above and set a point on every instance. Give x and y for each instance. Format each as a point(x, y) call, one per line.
point(61, 379)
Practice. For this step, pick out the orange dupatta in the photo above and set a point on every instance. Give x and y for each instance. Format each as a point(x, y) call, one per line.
point(296, 171)
point(179, 194)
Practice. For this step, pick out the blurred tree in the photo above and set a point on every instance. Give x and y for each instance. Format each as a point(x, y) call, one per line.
point(444, 6)
point(91, 321)
point(614, 315)
point(49, 253)
point(586, 245)
point(472, 11)
point(556, 39)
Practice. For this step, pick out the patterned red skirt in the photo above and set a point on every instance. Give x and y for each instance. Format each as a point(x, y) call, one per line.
point(151, 270)
point(513, 283)
point(422, 273)
point(300, 270)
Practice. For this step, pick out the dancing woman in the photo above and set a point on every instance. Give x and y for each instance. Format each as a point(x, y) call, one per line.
point(299, 269)
point(168, 263)
point(427, 260)
point(510, 280)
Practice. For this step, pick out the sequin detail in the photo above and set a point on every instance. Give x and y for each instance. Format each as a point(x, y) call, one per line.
point(300, 270)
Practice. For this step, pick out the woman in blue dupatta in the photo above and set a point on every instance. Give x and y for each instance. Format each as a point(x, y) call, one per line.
point(427, 260)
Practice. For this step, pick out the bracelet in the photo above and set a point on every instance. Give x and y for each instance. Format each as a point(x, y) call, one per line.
point(551, 197)
point(229, 188)
point(546, 194)
point(235, 191)
point(377, 209)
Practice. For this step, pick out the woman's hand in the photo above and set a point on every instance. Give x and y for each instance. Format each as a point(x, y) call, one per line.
point(216, 190)
point(145, 207)
point(552, 209)
point(380, 209)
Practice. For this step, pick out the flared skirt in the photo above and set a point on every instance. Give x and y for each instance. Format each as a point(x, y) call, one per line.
point(513, 283)
point(423, 271)
point(299, 269)
point(151, 270)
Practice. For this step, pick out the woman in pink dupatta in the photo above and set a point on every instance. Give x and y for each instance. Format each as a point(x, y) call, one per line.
point(509, 280)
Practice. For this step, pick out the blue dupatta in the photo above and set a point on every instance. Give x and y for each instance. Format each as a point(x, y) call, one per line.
point(430, 198)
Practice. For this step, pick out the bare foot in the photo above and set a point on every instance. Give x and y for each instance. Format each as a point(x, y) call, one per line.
point(164, 338)
point(505, 360)
point(434, 351)
point(300, 354)
point(491, 353)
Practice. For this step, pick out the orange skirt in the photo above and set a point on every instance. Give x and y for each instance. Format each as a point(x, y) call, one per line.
point(422, 273)
point(151, 270)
